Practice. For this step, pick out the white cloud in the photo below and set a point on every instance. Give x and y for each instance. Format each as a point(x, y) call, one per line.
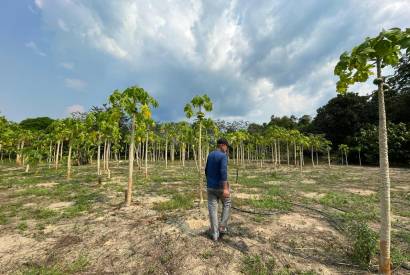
point(33, 46)
point(39, 3)
point(74, 83)
point(75, 108)
point(226, 43)
point(263, 59)
point(62, 25)
point(67, 65)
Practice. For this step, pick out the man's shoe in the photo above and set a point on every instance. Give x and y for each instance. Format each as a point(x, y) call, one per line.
point(223, 230)
point(213, 236)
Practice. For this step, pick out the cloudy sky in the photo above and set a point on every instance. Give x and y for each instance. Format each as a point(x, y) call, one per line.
point(253, 58)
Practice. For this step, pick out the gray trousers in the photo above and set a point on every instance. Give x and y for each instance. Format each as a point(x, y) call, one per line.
point(213, 196)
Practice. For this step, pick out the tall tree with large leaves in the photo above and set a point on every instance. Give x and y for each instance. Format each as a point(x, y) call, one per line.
point(357, 66)
point(197, 106)
point(136, 102)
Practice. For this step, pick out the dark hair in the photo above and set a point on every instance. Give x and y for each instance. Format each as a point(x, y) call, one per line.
point(222, 141)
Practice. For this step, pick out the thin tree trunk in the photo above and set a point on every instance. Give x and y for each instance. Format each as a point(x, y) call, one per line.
point(50, 154)
point(201, 198)
point(131, 162)
point(98, 158)
point(108, 158)
point(172, 151)
point(360, 159)
point(328, 157)
point(22, 155)
point(61, 148)
point(195, 158)
point(276, 153)
point(385, 228)
point(273, 155)
point(146, 155)
point(104, 155)
point(347, 164)
point(69, 160)
point(311, 154)
point(287, 151)
point(18, 157)
point(166, 152)
point(139, 155)
point(188, 151)
point(57, 154)
point(183, 154)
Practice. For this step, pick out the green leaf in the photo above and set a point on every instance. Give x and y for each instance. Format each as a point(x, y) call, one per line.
point(382, 47)
point(405, 43)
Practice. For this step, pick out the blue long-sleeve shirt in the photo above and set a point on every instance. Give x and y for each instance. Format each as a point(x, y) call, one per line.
point(216, 169)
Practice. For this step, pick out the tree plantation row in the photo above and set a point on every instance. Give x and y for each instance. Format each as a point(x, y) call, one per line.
point(102, 135)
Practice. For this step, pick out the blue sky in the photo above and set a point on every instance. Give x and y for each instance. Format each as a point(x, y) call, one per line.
point(253, 58)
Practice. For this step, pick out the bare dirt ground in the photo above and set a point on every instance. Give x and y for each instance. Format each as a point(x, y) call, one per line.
point(284, 222)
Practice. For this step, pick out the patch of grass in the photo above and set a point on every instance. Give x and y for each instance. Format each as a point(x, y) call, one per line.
point(253, 182)
point(256, 265)
point(22, 226)
point(44, 214)
point(178, 201)
point(83, 203)
point(34, 191)
point(403, 213)
point(276, 191)
point(287, 271)
point(403, 235)
point(398, 256)
point(270, 203)
point(41, 270)
point(40, 226)
point(338, 199)
point(79, 264)
point(11, 210)
point(356, 207)
point(207, 254)
point(3, 219)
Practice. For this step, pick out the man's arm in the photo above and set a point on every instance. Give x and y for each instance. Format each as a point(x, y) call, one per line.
point(224, 176)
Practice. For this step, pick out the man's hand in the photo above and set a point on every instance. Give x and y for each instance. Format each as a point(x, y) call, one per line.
point(226, 192)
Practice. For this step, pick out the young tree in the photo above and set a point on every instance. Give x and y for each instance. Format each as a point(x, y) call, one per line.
point(185, 132)
point(344, 149)
point(357, 66)
point(165, 129)
point(136, 102)
point(197, 106)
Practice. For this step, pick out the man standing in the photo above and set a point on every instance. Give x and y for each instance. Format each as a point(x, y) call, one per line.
point(216, 172)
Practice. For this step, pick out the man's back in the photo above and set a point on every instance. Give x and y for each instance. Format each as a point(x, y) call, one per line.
point(216, 169)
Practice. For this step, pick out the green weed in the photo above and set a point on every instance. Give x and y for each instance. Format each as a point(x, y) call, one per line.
point(256, 265)
point(270, 203)
point(22, 226)
point(364, 243)
point(178, 201)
